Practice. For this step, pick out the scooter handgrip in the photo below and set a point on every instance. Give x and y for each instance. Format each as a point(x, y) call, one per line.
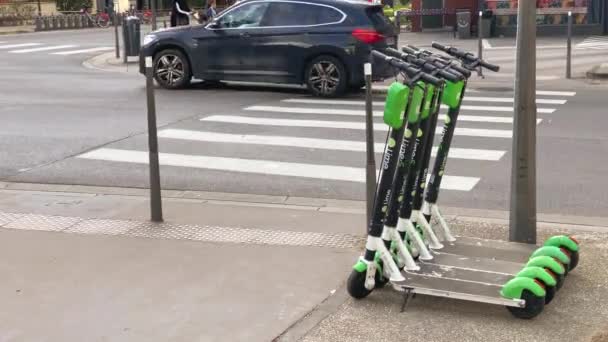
point(440, 47)
point(431, 79)
point(409, 50)
point(449, 76)
point(379, 55)
point(464, 71)
point(489, 66)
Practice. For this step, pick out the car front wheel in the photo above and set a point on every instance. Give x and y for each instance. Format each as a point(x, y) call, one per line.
point(326, 77)
point(172, 69)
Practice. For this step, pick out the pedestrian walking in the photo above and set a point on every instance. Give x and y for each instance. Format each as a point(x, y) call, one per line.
point(211, 12)
point(180, 13)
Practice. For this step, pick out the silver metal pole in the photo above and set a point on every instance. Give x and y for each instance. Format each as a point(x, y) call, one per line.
point(370, 170)
point(522, 225)
point(569, 51)
point(156, 210)
point(115, 20)
point(153, 9)
point(479, 44)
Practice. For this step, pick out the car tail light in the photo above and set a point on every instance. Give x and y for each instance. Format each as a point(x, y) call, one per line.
point(367, 36)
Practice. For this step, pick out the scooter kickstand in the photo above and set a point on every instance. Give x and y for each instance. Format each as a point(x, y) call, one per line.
point(407, 294)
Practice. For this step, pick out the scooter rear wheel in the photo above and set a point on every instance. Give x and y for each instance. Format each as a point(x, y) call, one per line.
point(534, 306)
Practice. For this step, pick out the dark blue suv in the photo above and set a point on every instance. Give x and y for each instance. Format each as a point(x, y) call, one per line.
point(320, 43)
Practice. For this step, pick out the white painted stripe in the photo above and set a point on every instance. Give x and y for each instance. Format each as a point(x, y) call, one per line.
point(57, 47)
point(331, 111)
point(302, 110)
point(479, 132)
point(555, 93)
point(325, 144)
point(538, 92)
point(473, 132)
point(73, 52)
point(510, 100)
point(381, 103)
point(18, 45)
point(267, 167)
point(486, 44)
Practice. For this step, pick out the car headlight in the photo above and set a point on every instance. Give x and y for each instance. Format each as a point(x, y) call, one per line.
point(149, 38)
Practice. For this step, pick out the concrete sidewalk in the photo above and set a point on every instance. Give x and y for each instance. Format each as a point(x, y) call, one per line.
point(83, 264)
point(16, 29)
point(88, 266)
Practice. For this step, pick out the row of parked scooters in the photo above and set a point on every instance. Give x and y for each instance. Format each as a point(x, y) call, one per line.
point(410, 244)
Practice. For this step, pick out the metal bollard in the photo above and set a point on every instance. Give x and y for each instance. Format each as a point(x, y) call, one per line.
point(370, 170)
point(569, 47)
point(62, 22)
point(53, 23)
point(84, 21)
point(479, 44)
point(39, 26)
point(46, 23)
point(115, 21)
point(156, 209)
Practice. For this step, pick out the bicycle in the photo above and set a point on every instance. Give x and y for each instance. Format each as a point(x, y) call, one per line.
point(101, 19)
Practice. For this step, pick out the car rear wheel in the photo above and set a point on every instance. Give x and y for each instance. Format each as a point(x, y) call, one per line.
point(172, 69)
point(326, 77)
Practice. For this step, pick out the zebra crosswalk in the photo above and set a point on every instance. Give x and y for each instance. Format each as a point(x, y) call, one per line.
point(49, 49)
point(593, 43)
point(322, 140)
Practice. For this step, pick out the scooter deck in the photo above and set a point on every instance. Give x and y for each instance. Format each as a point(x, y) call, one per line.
point(453, 288)
point(497, 244)
point(481, 250)
point(464, 274)
point(474, 263)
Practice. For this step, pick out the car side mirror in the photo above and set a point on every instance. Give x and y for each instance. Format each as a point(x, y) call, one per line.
point(214, 24)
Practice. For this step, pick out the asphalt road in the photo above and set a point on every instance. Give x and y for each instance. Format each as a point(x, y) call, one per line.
point(63, 123)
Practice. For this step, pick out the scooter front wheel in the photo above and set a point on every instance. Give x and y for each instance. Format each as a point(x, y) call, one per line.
point(356, 285)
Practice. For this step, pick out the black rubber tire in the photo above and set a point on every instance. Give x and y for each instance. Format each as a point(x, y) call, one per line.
point(187, 77)
point(550, 293)
point(356, 285)
point(534, 306)
point(342, 85)
point(560, 281)
point(573, 260)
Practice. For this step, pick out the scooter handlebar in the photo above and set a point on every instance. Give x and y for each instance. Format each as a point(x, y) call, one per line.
point(411, 71)
point(468, 57)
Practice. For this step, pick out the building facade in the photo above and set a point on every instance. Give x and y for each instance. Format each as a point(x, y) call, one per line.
point(589, 16)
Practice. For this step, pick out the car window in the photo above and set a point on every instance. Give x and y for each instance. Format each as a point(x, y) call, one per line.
point(298, 14)
point(248, 15)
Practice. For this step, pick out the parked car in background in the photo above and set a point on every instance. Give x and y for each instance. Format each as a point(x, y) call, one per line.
point(321, 43)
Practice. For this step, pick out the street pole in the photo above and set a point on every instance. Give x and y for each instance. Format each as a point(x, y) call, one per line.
point(522, 221)
point(39, 9)
point(117, 44)
point(156, 210)
point(153, 9)
point(370, 170)
point(479, 44)
point(569, 48)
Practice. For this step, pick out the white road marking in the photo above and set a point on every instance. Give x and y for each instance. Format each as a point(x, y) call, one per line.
point(314, 143)
point(381, 103)
point(471, 132)
point(486, 44)
point(555, 93)
point(332, 111)
point(18, 45)
point(46, 48)
point(266, 167)
point(74, 52)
